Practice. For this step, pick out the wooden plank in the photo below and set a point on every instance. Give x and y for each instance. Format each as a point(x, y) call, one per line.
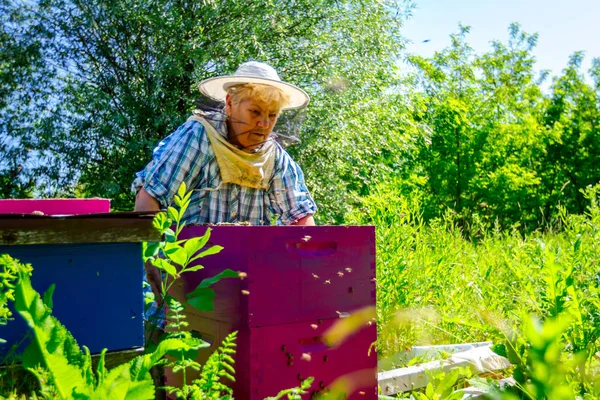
point(91, 228)
point(479, 360)
point(115, 358)
point(54, 206)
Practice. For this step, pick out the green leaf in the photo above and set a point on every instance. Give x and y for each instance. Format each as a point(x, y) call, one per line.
point(161, 222)
point(182, 190)
point(429, 392)
point(445, 386)
point(176, 253)
point(201, 299)
point(228, 273)
point(48, 296)
point(209, 252)
point(177, 201)
point(173, 214)
point(50, 336)
point(119, 384)
point(150, 249)
point(166, 345)
point(194, 268)
point(305, 385)
point(101, 368)
point(190, 352)
point(166, 266)
point(185, 200)
point(170, 236)
point(195, 244)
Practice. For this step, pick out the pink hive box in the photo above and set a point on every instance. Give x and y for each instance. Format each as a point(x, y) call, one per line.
point(55, 206)
point(300, 281)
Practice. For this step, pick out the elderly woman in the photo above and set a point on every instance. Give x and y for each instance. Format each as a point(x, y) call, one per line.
point(236, 171)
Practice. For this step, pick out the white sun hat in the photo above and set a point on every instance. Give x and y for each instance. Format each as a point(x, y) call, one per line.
point(254, 72)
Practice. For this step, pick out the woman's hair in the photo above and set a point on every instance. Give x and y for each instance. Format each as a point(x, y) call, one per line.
point(266, 94)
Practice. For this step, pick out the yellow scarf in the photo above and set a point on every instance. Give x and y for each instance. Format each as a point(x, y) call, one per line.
point(238, 167)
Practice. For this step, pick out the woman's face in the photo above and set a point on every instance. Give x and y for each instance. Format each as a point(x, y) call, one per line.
point(250, 122)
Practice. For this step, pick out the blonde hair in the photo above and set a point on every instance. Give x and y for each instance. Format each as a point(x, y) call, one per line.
point(269, 95)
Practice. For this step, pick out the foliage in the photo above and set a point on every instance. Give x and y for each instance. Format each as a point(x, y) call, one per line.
point(22, 65)
point(434, 286)
point(572, 148)
point(123, 73)
point(175, 257)
point(484, 114)
point(9, 278)
point(442, 386)
point(543, 366)
point(219, 365)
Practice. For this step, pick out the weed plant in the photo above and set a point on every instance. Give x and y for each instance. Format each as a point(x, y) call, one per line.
point(444, 283)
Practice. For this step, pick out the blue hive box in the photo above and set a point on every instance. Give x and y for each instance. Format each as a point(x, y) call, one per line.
point(95, 261)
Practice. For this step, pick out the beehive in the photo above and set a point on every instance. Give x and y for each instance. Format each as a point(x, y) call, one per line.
point(95, 262)
point(300, 280)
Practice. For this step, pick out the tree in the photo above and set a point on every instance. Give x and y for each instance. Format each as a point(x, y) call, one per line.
point(21, 65)
point(127, 73)
point(484, 154)
point(573, 149)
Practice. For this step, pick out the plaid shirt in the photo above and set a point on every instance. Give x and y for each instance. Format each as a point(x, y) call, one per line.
point(186, 156)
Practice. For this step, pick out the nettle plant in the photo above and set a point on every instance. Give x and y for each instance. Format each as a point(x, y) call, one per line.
point(174, 258)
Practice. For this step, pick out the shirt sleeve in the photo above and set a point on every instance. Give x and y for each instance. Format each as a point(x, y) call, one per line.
point(288, 194)
point(178, 160)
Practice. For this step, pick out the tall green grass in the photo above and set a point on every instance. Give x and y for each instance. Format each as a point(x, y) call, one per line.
point(440, 283)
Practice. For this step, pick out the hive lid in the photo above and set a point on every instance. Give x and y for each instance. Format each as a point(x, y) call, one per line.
point(116, 227)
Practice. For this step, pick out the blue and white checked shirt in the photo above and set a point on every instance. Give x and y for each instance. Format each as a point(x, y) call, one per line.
point(186, 156)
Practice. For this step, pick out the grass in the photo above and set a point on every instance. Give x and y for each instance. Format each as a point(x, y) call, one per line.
point(435, 285)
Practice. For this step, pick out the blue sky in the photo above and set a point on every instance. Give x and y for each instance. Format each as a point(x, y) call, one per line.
point(563, 26)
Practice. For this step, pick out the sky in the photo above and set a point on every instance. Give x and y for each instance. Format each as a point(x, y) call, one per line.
point(563, 26)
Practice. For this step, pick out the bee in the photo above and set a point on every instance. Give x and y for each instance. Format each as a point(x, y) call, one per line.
point(328, 282)
point(245, 292)
point(340, 274)
point(306, 238)
point(348, 269)
point(314, 326)
point(242, 275)
point(306, 357)
point(315, 276)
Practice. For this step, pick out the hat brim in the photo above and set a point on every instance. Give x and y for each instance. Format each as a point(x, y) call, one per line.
point(215, 88)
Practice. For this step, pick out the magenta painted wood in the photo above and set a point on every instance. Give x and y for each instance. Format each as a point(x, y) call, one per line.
point(55, 206)
point(294, 273)
point(277, 363)
point(297, 277)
